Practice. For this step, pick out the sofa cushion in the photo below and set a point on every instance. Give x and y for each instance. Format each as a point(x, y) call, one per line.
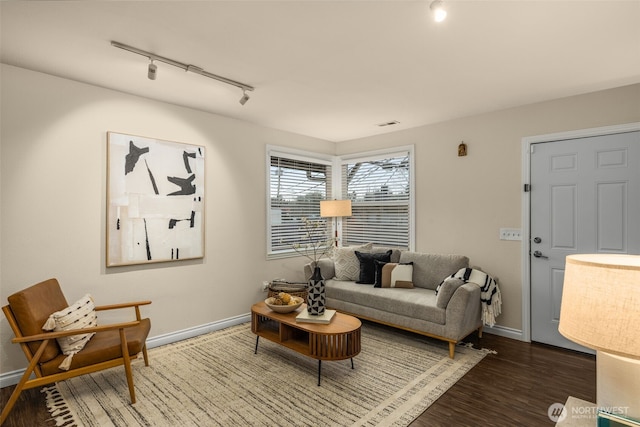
point(401, 276)
point(418, 303)
point(393, 275)
point(346, 262)
point(429, 269)
point(446, 291)
point(368, 267)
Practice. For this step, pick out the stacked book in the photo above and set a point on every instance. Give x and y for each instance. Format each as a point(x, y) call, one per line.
point(325, 317)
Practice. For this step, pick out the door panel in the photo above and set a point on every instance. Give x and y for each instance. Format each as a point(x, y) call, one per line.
point(563, 216)
point(585, 198)
point(611, 197)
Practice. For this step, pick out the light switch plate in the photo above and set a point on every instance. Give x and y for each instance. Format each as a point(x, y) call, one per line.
point(510, 234)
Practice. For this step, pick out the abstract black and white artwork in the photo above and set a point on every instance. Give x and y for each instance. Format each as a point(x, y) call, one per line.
point(155, 200)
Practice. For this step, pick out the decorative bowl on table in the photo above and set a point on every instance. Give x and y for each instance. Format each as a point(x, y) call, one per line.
point(279, 305)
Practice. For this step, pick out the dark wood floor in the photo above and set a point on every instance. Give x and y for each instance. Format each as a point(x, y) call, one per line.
point(512, 388)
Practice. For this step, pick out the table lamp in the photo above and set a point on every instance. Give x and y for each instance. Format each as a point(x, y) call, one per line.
point(335, 209)
point(601, 310)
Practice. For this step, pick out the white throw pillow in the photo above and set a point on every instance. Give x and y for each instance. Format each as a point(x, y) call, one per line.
point(402, 275)
point(346, 262)
point(79, 315)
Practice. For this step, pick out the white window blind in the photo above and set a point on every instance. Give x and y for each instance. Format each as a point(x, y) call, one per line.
point(380, 191)
point(296, 186)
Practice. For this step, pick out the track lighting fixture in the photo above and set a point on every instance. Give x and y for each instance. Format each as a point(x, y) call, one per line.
point(151, 73)
point(245, 98)
point(439, 12)
point(152, 70)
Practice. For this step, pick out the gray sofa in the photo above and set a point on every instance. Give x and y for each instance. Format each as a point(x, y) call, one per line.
point(449, 316)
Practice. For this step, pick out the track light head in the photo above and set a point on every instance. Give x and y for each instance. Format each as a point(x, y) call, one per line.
point(439, 12)
point(245, 97)
point(151, 73)
point(152, 69)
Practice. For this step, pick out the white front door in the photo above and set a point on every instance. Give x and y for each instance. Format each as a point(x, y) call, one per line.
point(585, 198)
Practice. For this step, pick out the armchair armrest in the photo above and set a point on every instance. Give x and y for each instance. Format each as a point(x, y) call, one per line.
point(136, 305)
point(122, 305)
point(60, 334)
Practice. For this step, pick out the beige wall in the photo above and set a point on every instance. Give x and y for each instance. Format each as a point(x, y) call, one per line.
point(462, 202)
point(52, 188)
point(53, 176)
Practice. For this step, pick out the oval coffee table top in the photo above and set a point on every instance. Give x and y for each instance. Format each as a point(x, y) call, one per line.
point(340, 323)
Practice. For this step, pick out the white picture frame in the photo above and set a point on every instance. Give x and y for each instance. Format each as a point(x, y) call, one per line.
point(155, 200)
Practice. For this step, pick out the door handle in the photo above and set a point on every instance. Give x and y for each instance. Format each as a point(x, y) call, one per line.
point(538, 254)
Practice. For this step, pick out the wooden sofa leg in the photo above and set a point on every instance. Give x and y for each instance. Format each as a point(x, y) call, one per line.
point(480, 331)
point(452, 349)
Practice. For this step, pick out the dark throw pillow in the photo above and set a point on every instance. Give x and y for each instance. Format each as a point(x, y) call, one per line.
point(368, 266)
point(377, 283)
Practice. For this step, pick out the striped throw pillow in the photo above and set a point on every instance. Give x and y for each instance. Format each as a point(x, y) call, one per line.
point(79, 315)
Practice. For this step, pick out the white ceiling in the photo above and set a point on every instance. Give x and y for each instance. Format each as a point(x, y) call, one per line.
point(334, 69)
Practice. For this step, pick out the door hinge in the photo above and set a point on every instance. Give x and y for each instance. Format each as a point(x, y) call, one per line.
point(527, 188)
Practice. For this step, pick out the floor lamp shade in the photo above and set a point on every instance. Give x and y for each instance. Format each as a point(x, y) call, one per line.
point(601, 303)
point(335, 208)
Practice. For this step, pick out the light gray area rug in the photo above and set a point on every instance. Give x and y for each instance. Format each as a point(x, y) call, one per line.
point(217, 380)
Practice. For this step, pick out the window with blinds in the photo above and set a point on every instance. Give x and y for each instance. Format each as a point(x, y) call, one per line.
point(380, 189)
point(296, 186)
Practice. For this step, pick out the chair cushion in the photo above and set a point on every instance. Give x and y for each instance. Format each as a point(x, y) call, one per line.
point(32, 306)
point(104, 346)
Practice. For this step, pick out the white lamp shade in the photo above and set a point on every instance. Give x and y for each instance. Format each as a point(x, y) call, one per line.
point(335, 208)
point(601, 303)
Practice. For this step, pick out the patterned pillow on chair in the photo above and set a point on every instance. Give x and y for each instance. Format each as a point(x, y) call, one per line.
point(81, 314)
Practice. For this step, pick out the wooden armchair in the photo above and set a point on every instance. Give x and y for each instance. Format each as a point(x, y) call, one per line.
point(112, 345)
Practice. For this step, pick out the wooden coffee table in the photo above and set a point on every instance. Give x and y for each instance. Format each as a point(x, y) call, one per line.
point(337, 340)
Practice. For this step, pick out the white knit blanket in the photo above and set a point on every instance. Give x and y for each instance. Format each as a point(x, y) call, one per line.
point(489, 293)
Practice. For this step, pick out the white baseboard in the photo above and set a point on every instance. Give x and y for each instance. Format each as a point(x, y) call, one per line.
point(504, 331)
point(13, 377)
point(184, 334)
